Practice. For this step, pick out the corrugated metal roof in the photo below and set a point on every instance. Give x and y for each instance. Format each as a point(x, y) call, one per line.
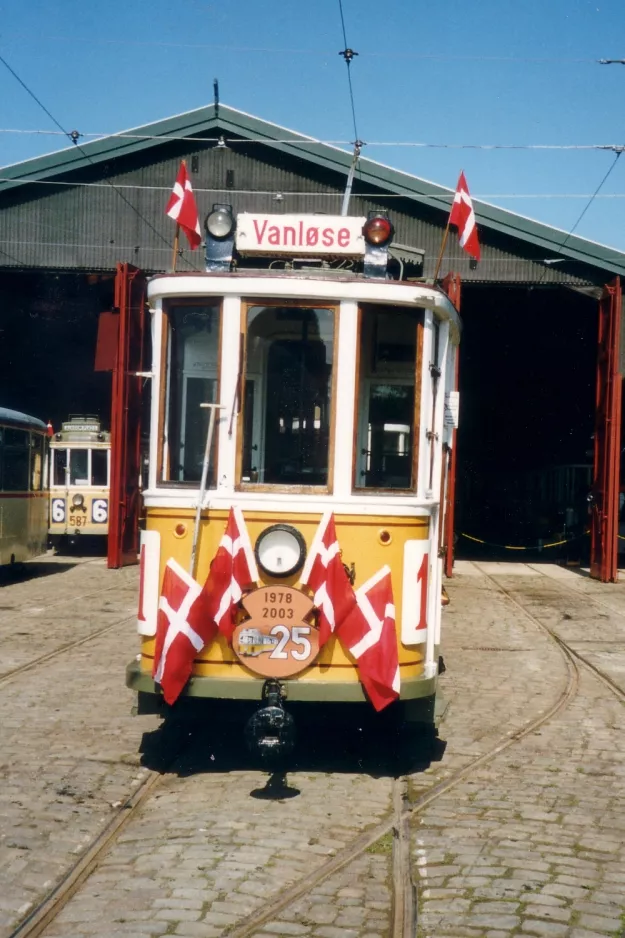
point(547, 241)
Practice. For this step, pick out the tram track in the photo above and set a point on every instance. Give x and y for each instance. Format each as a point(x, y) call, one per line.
point(49, 908)
point(65, 646)
point(61, 650)
point(565, 646)
point(396, 823)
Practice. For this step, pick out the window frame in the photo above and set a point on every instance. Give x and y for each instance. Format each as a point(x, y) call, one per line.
point(418, 392)
point(23, 490)
point(68, 449)
point(163, 461)
point(246, 304)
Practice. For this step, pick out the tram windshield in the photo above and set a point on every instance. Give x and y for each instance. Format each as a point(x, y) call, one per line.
point(386, 398)
point(80, 467)
point(192, 381)
point(288, 395)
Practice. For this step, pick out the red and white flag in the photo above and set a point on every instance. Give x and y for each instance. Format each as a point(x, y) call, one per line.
point(184, 627)
point(232, 569)
point(463, 217)
point(368, 633)
point(182, 208)
point(325, 574)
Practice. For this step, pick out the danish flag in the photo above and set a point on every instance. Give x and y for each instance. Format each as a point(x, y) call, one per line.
point(463, 217)
point(182, 208)
point(184, 627)
point(190, 616)
point(325, 574)
point(368, 633)
point(232, 569)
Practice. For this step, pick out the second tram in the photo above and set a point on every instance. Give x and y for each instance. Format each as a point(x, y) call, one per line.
point(294, 556)
point(80, 469)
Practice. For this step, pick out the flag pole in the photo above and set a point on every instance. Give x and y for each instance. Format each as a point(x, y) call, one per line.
point(440, 256)
point(207, 453)
point(174, 256)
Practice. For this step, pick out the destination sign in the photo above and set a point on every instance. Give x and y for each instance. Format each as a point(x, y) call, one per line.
point(81, 427)
point(296, 235)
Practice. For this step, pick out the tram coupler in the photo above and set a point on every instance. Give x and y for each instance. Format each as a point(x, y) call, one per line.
point(270, 732)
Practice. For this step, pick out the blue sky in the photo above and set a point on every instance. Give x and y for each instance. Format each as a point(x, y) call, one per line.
point(449, 72)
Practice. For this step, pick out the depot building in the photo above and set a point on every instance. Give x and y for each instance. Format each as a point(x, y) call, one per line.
point(540, 311)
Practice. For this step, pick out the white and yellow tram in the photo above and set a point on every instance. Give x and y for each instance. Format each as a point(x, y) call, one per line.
point(23, 487)
point(332, 381)
point(80, 471)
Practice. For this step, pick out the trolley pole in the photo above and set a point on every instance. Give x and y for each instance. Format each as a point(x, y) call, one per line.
point(207, 453)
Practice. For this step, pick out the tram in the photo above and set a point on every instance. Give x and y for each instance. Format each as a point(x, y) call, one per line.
point(80, 470)
point(297, 477)
point(23, 487)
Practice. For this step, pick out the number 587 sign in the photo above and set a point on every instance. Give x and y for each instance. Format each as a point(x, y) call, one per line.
point(276, 641)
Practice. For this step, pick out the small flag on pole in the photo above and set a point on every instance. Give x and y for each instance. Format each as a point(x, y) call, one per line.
point(183, 209)
point(463, 217)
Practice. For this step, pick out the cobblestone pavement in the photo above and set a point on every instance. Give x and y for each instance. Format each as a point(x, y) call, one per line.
point(69, 748)
point(533, 843)
point(530, 843)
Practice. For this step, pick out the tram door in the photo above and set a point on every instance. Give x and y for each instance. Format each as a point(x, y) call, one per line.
point(121, 339)
point(606, 470)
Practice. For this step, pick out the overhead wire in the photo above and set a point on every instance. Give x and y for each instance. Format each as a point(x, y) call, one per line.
point(267, 50)
point(348, 54)
point(71, 136)
point(299, 193)
point(311, 141)
point(592, 198)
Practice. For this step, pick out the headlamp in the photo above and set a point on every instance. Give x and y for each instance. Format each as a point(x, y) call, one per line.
point(220, 222)
point(280, 550)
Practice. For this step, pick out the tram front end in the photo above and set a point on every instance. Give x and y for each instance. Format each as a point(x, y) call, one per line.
point(297, 480)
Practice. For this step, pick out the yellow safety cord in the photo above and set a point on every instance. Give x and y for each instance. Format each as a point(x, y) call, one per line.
point(568, 540)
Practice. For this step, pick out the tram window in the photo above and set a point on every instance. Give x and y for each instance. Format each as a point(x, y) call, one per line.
point(99, 467)
point(386, 398)
point(36, 463)
point(288, 387)
point(59, 466)
point(192, 381)
point(79, 467)
point(15, 469)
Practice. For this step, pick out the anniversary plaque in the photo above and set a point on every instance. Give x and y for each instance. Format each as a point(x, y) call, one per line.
point(276, 641)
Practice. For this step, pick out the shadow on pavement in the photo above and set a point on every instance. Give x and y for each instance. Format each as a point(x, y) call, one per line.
point(34, 569)
point(186, 749)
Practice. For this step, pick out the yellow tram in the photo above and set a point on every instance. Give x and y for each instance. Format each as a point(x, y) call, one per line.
point(80, 470)
point(316, 387)
point(23, 486)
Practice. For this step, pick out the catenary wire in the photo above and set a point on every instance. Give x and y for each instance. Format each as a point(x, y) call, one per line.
point(393, 53)
point(312, 141)
point(592, 198)
point(298, 193)
point(348, 55)
point(88, 158)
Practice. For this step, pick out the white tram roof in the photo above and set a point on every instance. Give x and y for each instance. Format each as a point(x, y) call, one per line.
point(15, 418)
point(307, 284)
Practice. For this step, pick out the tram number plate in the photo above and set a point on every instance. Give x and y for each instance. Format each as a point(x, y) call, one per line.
point(77, 521)
point(276, 641)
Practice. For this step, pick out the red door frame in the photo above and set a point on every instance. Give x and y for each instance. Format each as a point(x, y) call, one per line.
point(452, 285)
point(123, 539)
point(607, 443)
